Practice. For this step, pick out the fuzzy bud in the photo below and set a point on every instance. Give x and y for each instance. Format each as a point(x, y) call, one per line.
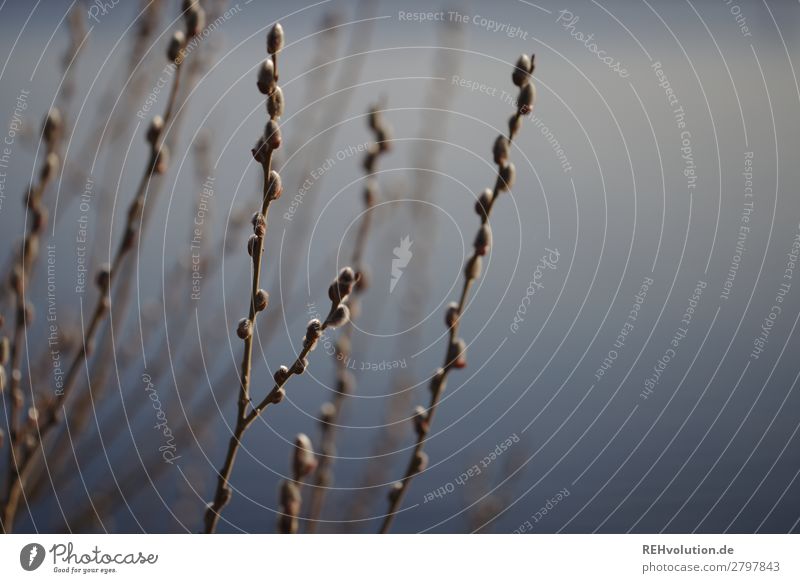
point(342, 286)
point(457, 353)
point(252, 244)
point(52, 125)
point(195, 18)
point(277, 395)
point(103, 279)
point(275, 103)
point(501, 150)
point(266, 77)
point(5, 350)
point(154, 130)
point(274, 188)
point(421, 424)
point(300, 366)
point(472, 270)
point(272, 134)
point(259, 151)
point(261, 300)
point(50, 167)
point(483, 240)
point(259, 224)
point(383, 137)
point(326, 413)
point(522, 71)
point(483, 203)
point(175, 47)
point(526, 99)
point(394, 491)
point(275, 39)
point(339, 317)
point(507, 175)
point(313, 331)
point(304, 459)
point(290, 508)
point(281, 375)
point(244, 329)
point(451, 314)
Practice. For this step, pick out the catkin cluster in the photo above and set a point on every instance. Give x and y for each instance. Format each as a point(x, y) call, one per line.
point(456, 353)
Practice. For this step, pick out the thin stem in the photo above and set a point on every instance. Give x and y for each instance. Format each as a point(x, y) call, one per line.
point(20, 472)
point(439, 381)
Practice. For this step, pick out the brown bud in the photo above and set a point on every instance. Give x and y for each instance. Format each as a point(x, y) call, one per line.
point(275, 39)
point(394, 491)
point(175, 47)
point(259, 224)
point(252, 245)
point(483, 203)
point(277, 395)
point(195, 18)
point(370, 157)
point(383, 138)
point(526, 99)
point(339, 317)
point(304, 459)
point(507, 175)
point(457, 353)
point(52, 125)
point(104, 278)
point(275, 103)
point(272, 134)
point(261, 300)
point(451, 314)
point(299, 366)
point(500, 150)
point(483, 240)
point(522, 71)
point(259, 151)
point(50, 167)
point(326, 413)
point(154, 130)
point(313, 331)
point(274, 188)
point(281, 375)
point(244, 329)
point(472, 270)
point(362, 279)
point(421, 420)
point(266, 77)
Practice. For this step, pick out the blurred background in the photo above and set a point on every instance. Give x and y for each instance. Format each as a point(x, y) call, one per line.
point(631, 341)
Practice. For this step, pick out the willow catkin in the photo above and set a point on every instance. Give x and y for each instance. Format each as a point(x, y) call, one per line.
point(455, 356)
